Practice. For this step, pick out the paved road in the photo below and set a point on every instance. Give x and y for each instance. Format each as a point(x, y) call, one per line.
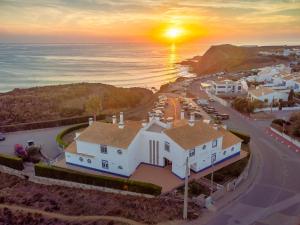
point(274, 197)
point(44, 137)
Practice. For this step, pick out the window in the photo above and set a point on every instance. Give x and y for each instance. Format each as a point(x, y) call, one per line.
point(104, 164)
point(80, 159)
point(119, 151)
point(232, 149)
point(224, 153)
point(103, 149)
point(120, 167)
point(167, 146)
point(192, 152)
point(215, 143)
point(204, 147)
point(89, 160)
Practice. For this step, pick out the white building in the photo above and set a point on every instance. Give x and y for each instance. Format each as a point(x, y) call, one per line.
point(226, 87)
point(267, 95)
point(120, 148)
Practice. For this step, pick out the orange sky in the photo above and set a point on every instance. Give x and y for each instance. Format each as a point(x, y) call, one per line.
point(253, 22)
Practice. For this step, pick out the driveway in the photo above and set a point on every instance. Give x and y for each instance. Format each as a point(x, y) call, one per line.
point(45, 137)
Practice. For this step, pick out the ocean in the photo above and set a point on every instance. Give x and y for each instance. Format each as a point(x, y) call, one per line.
point(123, 65)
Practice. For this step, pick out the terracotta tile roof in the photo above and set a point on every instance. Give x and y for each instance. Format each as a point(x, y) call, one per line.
point(110, 134)
point(189, 137)
point(261, 91)
point(229, 139)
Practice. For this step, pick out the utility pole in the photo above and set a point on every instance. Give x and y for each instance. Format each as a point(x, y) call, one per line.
point(185, 200)
point(212, 175)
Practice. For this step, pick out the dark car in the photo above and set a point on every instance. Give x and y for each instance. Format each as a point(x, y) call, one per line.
point(2, 137)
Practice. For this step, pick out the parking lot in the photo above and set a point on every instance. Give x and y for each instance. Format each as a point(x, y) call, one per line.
point(43, 137)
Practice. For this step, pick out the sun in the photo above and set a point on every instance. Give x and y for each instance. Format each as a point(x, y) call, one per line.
point(174, 33)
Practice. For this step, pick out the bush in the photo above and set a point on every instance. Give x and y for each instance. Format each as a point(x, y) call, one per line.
point(279, 122)
point(246, 138)
point(11, 161)
point(117, 183)
point(59, 137)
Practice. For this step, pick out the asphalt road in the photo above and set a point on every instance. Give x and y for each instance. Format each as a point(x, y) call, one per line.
point(43, 137)
point(274, 197)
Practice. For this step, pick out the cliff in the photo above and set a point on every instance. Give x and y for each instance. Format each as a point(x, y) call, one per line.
point(230, 58)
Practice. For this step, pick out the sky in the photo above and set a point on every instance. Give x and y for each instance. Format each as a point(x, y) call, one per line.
point(207, 21)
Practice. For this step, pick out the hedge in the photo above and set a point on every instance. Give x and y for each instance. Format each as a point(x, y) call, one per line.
point(11, 161)
point(47, 124)
point(44, 170)
point(59, 137)
point(246, 138)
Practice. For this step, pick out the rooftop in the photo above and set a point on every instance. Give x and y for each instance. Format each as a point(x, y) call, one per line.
point(110, 134)
point(190, 136)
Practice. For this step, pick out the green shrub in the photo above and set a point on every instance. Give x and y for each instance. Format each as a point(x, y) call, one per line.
point(44, 170)
point(59, 137)
point(11, 161)
point(246, 138)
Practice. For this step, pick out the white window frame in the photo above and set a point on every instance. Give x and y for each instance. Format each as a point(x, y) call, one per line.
point(105, 164)
point(103, 149)
point(215, 143)
point(192, 152)
point(167, 144)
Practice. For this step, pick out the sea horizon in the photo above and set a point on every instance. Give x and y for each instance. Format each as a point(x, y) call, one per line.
point(24, 65)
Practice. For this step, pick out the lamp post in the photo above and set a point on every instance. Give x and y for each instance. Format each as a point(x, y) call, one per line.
point(185, 199)
point(212, 175)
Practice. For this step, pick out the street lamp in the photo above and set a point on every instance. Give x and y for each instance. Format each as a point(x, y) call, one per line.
point(212, 174)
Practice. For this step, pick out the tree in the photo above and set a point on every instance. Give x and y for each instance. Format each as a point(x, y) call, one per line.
point(94, 105)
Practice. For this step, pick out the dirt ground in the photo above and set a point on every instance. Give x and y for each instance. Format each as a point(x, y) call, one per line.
point(9, 217)
point(70, 201)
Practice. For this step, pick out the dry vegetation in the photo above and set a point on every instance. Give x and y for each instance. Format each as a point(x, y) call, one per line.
point(70, 201)
point(63, 101)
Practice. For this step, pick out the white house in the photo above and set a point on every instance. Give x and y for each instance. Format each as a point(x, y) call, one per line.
point(267, 95)
point(226, 87)
point(119, 148)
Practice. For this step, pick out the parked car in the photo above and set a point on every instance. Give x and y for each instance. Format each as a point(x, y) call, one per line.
point(223, 116)
point(211, 100)
point(2, 137)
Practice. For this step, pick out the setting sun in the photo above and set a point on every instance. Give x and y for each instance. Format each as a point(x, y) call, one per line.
point(174, 33)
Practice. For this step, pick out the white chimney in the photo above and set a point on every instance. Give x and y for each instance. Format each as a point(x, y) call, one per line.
point(216, 127)
point(114, 119)
point(206, 121)
point(121, 123)
point(157, 118)
point(224, 126)
point(182, 114)
point(144, 123)
point(91, 120)
point(76, 135)
point(150, 116)
point(192, 119)
point(170, 122)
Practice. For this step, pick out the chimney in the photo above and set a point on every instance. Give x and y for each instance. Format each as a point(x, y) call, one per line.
point(216, 127)
point(206, 121)
point(192, 119)
point(182, 114)
point(150, 116)
point(170, 122)
point(224, 126)
point(121, 123)
point(114, 119)
point(76, 135)
point(144, 123)
point(91, 120)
